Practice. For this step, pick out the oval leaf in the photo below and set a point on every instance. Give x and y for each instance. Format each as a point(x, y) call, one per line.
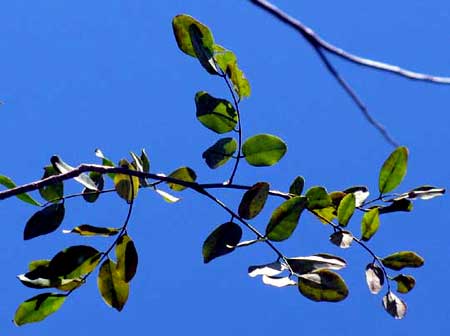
point(70, 262)
point(297, 185)
point(221, 241)
point(203, 51)
point(44, 221)
point(254, 200)
point(53, 192)
point(127, 258)
point(318, 198)
point(219, 153)
point(370, 224)
point(113, 289)
point(126, 186)
point(8, 183)
point(185, 174)
point(400, 260)
point(346, 209)
point(303, 265)
point(263, 150)
point(38, 308)
point(285, 218)
point(343, 239)
point(90, 195)
point(374, 278)
point(216, 114)
point(89, 230)
point(323, 285)
point(181, 28)
point(394, 306)
point(393, 170)
point(405, 283)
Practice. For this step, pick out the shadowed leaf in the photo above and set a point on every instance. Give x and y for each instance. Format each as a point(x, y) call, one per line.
point(216, 114)
point(425, 192)
point(303, 265)
point(64, 168)
point(145, 161)
point(221, 241)
point(8, 183)
point(263, 150)
point(91, 195)
point(105, 161)
point(73, 262)
point(44, 221)
point(123, 183)
point(181, 25)
point(323, 285)
point(400, 260)
point(393, 170)
point(297, 186)
point(127, 258)
point(254, 200)
point(405, 283)
point(318, 198)
point(38, 308)
point(370, 224)
point(203, 51)
point(278, 281)
point(343, 239)
point(271, 269)
point(53, 192)
point(219, 153)
point(185, 174)
point(400, 205)
point(113, 289)
point(394, 306)
point(89, 230)
point(346, 209)
point(374, 278)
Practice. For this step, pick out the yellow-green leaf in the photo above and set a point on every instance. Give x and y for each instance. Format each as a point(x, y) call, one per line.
point(400, 260)
point(185, 174)
point(126, 186)
point(323, 285)
point(127, 258)
point(405, 283)
point(370, 224)
point(393, 170)
point(263, 150)
point(8, 183)
point(113, 289)
point(38, 308)
point(89, 230)
point(346, 209)
point(216, 114)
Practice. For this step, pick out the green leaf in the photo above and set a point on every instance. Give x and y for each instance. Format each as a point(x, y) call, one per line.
point(346, 209)
point(127, 258)
point(181, 25)
point(303, 265)
point(38, 308)
point(227, 61)
point(122, 182)
point(221, 241)
point(394, 306)
point(343, 239)
point(216, 114)
point(145, 161)
point(323, 285)
point(263, 150)
point(254, 200)
point(53, 192)
point(297, 186)
point(105, 161)
point(64, 168)
point(219, 153)
point(370, 224)
point(113, 289)
point(318, 198)
point(400, 260)
point(393, 170)
point(36, 263)
point(374, 278)
point(285, 218)
point(44, 221)
point(137, 162)
point(8, 183)
point(90, 195)
point(89, 230)
point(203, 52)
point(185, 174)
point(73, 262)
point(405, 283)
point(326, 215)
point(400, 205)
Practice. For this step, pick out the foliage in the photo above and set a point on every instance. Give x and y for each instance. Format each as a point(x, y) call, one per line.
point(315, 276)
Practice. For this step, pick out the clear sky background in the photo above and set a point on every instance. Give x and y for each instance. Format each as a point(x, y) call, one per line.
point(81, 75)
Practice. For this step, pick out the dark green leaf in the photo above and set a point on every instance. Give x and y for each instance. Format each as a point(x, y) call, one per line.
point(263, 150)
point(374, 278)
point(394, 306)
point(254, 200)
point(145, 161)
point(285, 218)
point(64, 168)
point(346, 209)
point(123, 183)
point(127, 258)
point(395, 206)
point(203, 52)
point(296, 187)
point(38, 308)
point(8, 183)
point(53, 192)
point(181, 25)
point(323, 285)
point(318, 198)
point(90, 195)
point(44, 221)
point(89, 230)
point(185, 174)
point(105, 161)
point(303, 265)
point(113, 289)
point(343, 239)
point(219, 153)
point(216, 114)
point(399, 260)
point(370, 224)
point(405, 283)
point(393, 170)
point(73, 262)
point(221, 241)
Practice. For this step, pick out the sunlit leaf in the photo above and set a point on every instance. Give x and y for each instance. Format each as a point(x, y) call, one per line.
point(167, 197)
point(105, 161)
point(346, 209)
point(343, 239)
point(254, 200)
point(263, 150)
point(404, 205)
point(64, 168)
point(53, 192)
point(285, 218)
point(361, 193)
point(89, 230)
point(303, 265)
point(221, 241)
point(219, 153)
point(318, 198)
point(40, 283)
point(297, 185)
point(145, 161)
point(181, 25)
point(370, 224)
point(203, 51)
point(271, 269)
point(137, 162)
point(278, 281)
point(185, 174)
point(400, 260)
point(126, 186)
point(127, 258)
point(74, 261)
point(36, 263)
point(44, 221)
point(374, 278)
point(216, 114)
point(38, 308)
point(91, 195)
point(323, 285)
point(8, 183)
point(393, 170)
point(405, 283)
point(113, 289)
point(425, 192)
point(394, 305)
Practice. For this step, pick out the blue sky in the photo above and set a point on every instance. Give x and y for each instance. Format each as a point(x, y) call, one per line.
point(108, 74)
